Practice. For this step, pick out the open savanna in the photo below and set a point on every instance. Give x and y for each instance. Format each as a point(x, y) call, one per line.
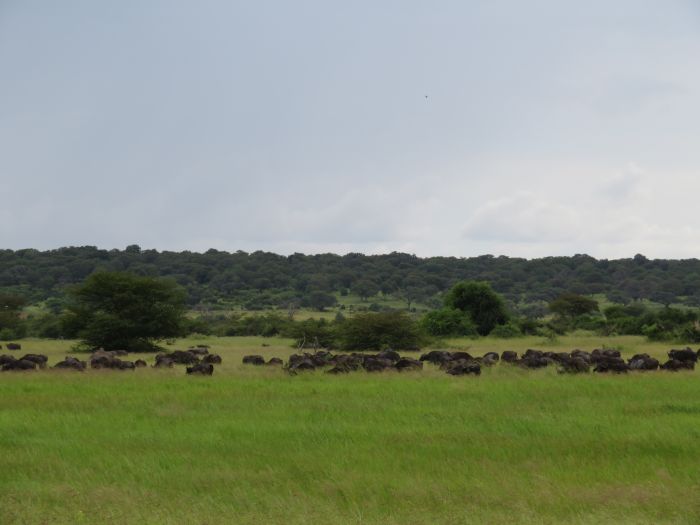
point(255, 445)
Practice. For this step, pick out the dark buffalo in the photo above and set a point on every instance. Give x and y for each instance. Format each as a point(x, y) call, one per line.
point(19, 365)
point(198, 350)
point(275, 361)
point(436, 357)
point(685, 355)
point(4, 359)
point(575, 365)
point(163, 361)
point(643, 362)
point(256, 360)
point(376, 364)
point(212, 359)
point(205, 369)
point(140, 363)
point(508, 356)
point(13, 346)
point(183, 357)
point(408, 364)
point(611, 364)
point(389, 354)
point(39, 359)
point(463, 367)
point(674, 365)
point(71, 363)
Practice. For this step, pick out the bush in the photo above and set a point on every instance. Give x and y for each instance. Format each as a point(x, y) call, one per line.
point(448, 322)
point(484, 306)
point(119, 310)
point(312, 333)
point(7, 334)
point(506, 331)
point(375, 331)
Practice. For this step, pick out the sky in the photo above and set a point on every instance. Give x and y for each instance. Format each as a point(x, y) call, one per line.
point(461, 128)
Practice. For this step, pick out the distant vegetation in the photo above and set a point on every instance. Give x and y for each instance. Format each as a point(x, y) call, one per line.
point(261, 293)
point(261, 280)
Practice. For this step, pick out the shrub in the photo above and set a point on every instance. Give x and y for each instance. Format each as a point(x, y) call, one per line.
point(484, 306)
point(506, 331)
point(447, 322)
point(375, 331)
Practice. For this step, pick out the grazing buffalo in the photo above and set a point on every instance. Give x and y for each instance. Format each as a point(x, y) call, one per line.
point(389, 354)
point(643, 362)
point(184, 357)
point(4, 359)
point(39, 359)
point(212, 359)
point(71, 363)
point(339, 369)
point(436, 357)
point(256, 360)
point(508, 356)
point(575, 365)
point(163, 361)
point(198, 350)
point(140, 363)
point(611, 364)
point(377, 364)
point(456, 356)
point(113, 363)
point(19, 365)
point(275, 361)
point(463, 367)
point(205, 369)
point(13, 346)
point(406, 364)
point(300, 364)
point(685, 355)
point(674, 365)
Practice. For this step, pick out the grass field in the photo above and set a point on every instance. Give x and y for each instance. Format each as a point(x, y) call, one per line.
point(254, 445)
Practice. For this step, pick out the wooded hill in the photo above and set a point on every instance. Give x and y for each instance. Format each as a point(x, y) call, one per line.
point(261, 279)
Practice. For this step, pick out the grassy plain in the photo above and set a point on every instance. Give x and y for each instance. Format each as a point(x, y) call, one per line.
point(254, 445)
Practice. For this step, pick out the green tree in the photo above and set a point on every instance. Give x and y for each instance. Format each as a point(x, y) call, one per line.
point(448, 322)
point(119, 310)
point(485, 307)
point(570, 305)
point(320, 300)
point(10, 322)
point(375, 331)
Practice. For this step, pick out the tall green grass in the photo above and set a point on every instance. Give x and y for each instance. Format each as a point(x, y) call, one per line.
point(254, 445)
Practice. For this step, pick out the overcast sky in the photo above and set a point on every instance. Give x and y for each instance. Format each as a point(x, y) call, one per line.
point(550, 127)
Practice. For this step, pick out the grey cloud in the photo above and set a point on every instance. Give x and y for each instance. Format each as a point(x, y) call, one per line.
point(304, 126)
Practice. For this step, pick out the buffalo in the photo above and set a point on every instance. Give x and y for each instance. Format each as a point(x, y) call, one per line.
point(256, 360)
point(205, 369)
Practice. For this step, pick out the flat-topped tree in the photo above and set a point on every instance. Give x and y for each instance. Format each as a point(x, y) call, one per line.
point(119, 310)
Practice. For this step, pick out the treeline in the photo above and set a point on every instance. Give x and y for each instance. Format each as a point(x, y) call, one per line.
point(114, 305)
point(262, 280)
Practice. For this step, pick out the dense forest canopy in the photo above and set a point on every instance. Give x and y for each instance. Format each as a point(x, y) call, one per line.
point(261, 279)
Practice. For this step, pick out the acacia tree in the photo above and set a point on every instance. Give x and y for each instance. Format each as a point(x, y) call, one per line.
point(484, 306)
point(570, 305)
point(119, 310)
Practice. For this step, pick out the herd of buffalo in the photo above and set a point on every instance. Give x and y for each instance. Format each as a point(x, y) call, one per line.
point(201, 361)
point(462, 363)
point(198, 360)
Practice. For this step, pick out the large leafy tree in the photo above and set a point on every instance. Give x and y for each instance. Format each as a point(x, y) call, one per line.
point(119, 310)
point(477, 299)
point(570, 305)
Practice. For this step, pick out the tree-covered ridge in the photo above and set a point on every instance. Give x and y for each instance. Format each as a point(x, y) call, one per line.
point(262, 279)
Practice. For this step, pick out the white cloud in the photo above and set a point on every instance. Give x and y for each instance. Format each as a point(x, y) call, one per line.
point(523, 218)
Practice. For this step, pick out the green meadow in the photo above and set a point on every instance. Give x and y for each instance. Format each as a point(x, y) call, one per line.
point(253, 445)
